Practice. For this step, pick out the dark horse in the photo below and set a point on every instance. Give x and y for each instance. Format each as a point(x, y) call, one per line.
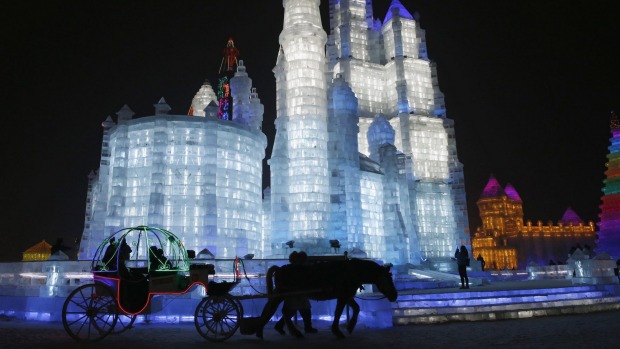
point(338, 280)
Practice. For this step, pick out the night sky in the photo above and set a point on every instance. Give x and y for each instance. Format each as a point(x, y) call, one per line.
point(529, 83)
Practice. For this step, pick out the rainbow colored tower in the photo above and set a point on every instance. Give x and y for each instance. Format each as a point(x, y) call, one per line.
point(609, 225)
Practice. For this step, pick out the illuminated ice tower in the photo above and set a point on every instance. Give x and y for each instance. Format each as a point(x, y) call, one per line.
point(375, 168)
point(609, 226)
point(387, 66)
point(364, 159)
point(300, 180)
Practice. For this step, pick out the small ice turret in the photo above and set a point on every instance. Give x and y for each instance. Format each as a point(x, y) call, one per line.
point(257, 109)
point(379, 133)
point(162, 108)
point(210, 111)
point(240, 86)
point(124, 114)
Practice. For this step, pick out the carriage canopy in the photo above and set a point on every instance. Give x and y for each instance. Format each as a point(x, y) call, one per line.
point(150, 248)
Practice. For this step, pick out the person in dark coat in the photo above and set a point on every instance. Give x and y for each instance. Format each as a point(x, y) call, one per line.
point(299, 302)
point(481, 260)
point(462, 260)
point(109, 257)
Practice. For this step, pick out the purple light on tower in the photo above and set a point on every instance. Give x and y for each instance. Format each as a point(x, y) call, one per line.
point(511, 192)
point(493, 189)
point(570, 216)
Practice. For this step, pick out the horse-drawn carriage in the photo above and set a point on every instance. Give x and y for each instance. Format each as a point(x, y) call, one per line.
point(132, 266)
point(135, 264)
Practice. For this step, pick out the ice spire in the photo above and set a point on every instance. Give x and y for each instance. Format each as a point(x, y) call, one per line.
point(380, 132)
point(124, 114)
point(398, 8)
point(240, 86)
point(257, 109)
point(350, 25)
point(304, 123)
point(203, 97)
point(344, 163)
point(161, 108)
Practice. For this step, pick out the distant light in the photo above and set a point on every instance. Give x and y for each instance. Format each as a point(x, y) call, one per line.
point(78, 275)
point(33, 275)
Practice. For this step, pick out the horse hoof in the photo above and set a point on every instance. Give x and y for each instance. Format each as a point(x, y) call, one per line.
point(311, 330)
point(298, 334)
point(280, 330)
point(338, 333)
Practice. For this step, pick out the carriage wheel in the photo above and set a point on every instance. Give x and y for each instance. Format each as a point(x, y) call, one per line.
point(89, 312)
point(123, 323)
point(217, 317)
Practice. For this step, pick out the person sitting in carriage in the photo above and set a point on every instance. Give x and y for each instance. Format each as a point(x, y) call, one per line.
point(115, 256)
point(157, 259)
point(109, 257)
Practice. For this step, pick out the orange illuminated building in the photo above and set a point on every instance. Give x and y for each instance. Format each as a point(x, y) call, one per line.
point(39, 252)
point(505, 242)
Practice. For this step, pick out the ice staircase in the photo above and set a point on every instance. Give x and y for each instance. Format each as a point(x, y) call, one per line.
point(434, 301)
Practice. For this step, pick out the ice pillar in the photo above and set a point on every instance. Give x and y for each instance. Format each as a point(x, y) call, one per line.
point(303, 43)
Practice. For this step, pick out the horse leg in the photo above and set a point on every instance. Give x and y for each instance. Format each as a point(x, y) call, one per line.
point(270, 308)
point(279, 327)
point(356, 310)
point(287, 314)
point(339, 308)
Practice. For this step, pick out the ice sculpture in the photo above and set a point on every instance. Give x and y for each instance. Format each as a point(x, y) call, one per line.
point(198, 177)
point(202, 99)
point(342, 178)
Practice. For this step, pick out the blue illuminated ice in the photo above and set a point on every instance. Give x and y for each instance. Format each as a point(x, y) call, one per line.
point(364, 157)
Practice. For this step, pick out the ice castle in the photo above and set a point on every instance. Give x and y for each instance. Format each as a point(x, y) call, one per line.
point(364, 158)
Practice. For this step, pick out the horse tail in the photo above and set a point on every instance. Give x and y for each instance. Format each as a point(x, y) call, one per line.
point(272, 270)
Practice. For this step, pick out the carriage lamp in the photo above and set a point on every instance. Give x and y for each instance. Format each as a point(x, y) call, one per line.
point(290, 244)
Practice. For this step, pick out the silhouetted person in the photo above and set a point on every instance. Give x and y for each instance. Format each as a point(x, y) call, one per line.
point(462, 261)
point(299, 303)
point(109, 257)
point(157, 259)
point(481, 260)
point(154, 262)
point(124, 252)
point(164, 263)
